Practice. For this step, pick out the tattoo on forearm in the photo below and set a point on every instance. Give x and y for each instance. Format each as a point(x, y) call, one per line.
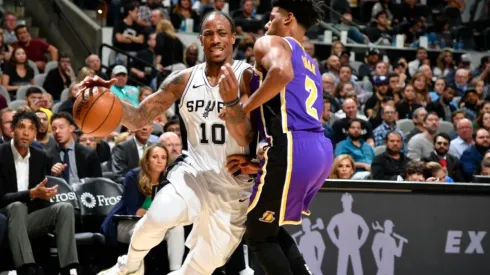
point(153, 106)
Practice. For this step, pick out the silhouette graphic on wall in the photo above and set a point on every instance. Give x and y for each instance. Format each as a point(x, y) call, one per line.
point(348, 241)
point(385, 248)
point(311, 244)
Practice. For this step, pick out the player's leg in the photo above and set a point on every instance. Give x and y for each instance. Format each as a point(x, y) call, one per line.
point(291, 250)
point(175, 246)
point(264, 213)
point(220, 229)
point(167, 210)
point(312, 158)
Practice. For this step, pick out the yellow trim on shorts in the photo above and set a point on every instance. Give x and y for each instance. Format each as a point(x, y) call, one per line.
point(287, 183)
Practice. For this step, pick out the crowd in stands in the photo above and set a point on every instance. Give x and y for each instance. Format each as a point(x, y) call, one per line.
point(413, 120)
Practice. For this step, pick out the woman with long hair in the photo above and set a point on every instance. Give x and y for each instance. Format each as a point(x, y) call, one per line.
point(337, 48)
point(17, 72)
point(137, 198)
point(169, 49)
point(445, 64)
point(342, 168)
point(483, 120)
point(182, 11)
point(420, 85)
point(408, 104)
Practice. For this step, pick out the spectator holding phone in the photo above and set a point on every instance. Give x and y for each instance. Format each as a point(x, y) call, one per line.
point(37, 102)
point(137, 198)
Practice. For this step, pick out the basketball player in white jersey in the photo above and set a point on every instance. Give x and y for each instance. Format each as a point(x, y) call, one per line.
point(201, 190)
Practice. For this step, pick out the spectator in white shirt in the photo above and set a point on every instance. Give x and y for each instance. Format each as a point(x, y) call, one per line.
point(413, 66)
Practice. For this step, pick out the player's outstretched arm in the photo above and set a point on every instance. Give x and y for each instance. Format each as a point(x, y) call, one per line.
point(170, 90)
point(272, 54)
point(135, 118)
point(237, 121)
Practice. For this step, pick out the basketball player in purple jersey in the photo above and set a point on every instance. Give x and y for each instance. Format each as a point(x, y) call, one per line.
point(298, 161)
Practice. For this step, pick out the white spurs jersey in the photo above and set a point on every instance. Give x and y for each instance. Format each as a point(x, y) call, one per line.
point(208, 140)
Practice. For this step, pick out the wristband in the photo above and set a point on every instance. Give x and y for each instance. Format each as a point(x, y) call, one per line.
point(232, 103)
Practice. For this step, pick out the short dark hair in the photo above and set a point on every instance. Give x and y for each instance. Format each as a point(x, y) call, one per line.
point(64, 115)
point(443, 135)
point(429, 114)
point(64, 55)
point(393, 133)
point(476, 132)
point(414, 167)
point(455, 113)
point(349, 123)
point(227, 16)
point(379, 13)
point(307, 12)
point(19, 116)
point(391, 75)
point(170, 122)
point(33, 90)
point(346, 66)
point(21, 26)
point(421, 49)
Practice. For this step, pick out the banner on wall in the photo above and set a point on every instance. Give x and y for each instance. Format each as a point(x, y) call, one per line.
point(358, 233)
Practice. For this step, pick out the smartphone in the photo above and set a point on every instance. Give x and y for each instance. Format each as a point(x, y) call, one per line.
point(43, 102)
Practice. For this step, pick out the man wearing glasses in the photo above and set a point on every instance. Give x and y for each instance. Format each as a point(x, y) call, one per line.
point(441, 156)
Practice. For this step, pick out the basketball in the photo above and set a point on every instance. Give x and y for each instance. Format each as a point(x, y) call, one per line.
point(97, 114)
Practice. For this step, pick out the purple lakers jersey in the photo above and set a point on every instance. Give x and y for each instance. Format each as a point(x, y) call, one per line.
point(299, 106)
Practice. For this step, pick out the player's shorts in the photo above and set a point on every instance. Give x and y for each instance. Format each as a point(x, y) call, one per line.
point(218, 225)
point(294, 168)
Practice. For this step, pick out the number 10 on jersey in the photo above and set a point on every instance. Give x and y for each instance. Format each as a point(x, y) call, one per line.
point(215, 131)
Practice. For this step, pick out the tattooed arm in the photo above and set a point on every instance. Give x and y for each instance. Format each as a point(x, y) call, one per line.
point(237, 122)
point(170, 90)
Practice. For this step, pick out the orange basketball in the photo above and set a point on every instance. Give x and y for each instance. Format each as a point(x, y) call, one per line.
point(97, 114)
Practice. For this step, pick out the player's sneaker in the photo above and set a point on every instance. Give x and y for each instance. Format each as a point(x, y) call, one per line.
point(120, 268)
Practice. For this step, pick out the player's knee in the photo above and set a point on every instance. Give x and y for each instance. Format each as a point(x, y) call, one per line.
point(165, 211)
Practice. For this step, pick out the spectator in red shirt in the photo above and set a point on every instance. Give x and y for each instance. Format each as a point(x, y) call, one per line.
point(35, 48)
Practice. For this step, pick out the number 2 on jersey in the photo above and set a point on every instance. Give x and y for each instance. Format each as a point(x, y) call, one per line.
point(313, 91)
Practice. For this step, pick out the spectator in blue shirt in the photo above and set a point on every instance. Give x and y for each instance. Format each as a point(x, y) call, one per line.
point(355, 146)
point(471, 157)
point(120, 89)
point(389, 114)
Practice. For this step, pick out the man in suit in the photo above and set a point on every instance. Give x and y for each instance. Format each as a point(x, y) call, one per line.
point(77, 161)
point(126, 155)
point(440, 155)
point(23, 193)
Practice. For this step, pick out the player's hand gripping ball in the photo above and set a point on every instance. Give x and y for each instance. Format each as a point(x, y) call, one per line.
point(97, 111)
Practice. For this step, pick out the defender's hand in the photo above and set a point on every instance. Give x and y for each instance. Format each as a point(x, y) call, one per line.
point(242, 163)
